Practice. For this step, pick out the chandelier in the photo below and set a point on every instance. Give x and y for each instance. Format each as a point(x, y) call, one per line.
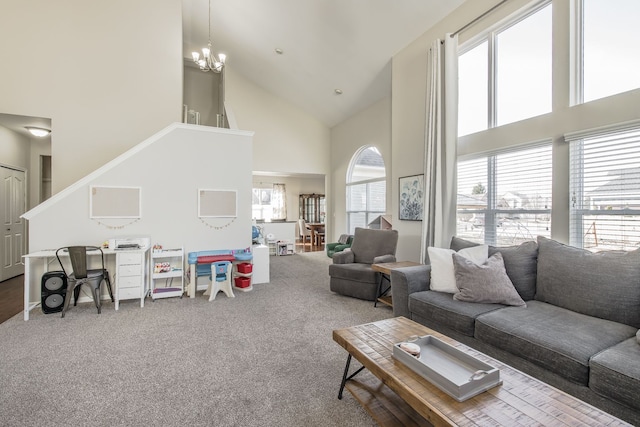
point(209, 61)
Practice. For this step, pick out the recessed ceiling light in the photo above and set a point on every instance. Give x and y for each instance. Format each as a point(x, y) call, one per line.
point(338, 91)
point(39, 132)
point(279, 51)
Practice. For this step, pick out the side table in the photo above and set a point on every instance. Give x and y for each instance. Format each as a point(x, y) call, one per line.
point(385, 274)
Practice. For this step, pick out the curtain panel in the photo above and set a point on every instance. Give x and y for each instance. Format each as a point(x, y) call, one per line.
point(279, 202)
point(439, 224)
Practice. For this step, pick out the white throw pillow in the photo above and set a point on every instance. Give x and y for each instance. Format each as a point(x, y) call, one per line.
point(443, 277)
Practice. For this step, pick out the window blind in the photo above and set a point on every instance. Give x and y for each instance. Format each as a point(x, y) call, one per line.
point(504, 198)
point(605, 188)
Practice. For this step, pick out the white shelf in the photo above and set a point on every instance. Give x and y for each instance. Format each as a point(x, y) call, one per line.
point(174, 279)
point(284, 248)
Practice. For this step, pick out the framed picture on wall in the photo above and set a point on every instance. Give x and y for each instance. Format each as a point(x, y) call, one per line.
point(411, 193)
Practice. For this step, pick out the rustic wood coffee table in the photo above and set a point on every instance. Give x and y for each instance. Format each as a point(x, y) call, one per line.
point(394, 395)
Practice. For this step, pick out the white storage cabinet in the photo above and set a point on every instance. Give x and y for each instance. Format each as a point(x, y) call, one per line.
point(131, 280)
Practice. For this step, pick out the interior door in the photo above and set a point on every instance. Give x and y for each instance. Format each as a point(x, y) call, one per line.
point(13, 198)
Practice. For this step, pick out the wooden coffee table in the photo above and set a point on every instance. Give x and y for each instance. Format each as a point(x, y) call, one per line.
point(385, 269)
point(394, 395)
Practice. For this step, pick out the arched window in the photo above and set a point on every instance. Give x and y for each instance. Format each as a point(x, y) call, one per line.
point(366, 188)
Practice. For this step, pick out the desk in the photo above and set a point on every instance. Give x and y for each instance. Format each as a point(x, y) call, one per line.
point(385, 270)
point(126, 265)
point(315, 227)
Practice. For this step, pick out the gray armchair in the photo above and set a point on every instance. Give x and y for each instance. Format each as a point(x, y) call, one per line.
point(351, 273)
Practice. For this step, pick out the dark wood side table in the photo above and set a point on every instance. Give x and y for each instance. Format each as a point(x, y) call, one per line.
point(385, 270)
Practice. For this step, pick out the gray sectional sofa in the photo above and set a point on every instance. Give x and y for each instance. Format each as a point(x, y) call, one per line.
point(578, 330)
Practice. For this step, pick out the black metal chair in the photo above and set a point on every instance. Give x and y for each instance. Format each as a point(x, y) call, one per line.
point(81, 276)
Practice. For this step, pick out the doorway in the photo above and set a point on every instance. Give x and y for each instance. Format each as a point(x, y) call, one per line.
point(13, 196)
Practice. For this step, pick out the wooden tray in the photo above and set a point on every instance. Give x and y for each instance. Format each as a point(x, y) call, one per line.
point(456, 373)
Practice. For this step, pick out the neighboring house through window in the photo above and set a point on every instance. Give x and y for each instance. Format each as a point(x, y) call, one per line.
point(505, 198)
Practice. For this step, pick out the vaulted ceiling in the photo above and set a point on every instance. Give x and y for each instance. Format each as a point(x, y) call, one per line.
point(326, 45)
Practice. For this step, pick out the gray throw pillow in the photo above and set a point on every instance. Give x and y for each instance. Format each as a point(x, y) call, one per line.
point(487, 283)
point(520, 262)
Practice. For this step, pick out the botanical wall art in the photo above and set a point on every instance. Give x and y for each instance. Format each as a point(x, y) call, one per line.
point(411, 194)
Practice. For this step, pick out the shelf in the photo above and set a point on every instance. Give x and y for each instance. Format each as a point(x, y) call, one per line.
point(168, 274)
point(173, 258)
point(167, 253)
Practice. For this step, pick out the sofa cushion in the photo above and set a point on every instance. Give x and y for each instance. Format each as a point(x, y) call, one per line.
point(638, 336)
point(603, 284)
point(443, 277)
point(442, 308)
point(615, 373)
point(559, 340)
point(486, 283)
point(520, 262)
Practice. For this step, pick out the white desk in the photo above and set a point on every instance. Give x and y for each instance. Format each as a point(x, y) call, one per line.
point(129, 276)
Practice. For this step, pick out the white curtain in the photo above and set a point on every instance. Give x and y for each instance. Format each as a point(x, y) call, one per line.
point(279, 202)
point(439, 223)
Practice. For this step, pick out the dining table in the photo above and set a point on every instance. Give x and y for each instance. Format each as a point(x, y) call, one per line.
point(316, 228)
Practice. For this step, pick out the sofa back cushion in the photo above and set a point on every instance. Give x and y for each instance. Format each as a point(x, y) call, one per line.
point(370, 243)
point(520, 262)
point(602, 284)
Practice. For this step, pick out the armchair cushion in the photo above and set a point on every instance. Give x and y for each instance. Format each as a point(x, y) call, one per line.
point(368, 244)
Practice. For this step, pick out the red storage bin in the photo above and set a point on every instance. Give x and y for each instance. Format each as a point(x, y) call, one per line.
point(245, 267)
point(243, 282)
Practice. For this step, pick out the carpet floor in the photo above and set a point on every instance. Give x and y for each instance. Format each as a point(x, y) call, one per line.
point(263, 358)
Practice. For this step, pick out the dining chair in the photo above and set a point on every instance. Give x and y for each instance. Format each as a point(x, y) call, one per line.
point(304, 231)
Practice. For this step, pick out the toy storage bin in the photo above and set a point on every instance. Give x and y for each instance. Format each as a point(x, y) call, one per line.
point(245, 268)
point(243, 282)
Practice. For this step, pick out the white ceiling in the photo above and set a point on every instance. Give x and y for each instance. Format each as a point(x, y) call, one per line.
point(327, 44)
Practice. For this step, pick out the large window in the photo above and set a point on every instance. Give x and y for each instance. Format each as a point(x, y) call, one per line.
point(366, 188)
point(505, 76)
point(605, 188)
point(505, 198)
point(610, 39)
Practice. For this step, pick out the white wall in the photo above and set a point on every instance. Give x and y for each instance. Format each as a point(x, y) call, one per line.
point(108, 74)
point(369, 127)
point(170, 167)
point(286, 138)
point(14, 149)
point(201, 93)
point(408, 113)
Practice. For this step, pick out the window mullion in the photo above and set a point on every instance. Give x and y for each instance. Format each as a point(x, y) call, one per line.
point(491, 87)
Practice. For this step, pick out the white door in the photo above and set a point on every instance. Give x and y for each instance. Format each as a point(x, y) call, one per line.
point(13, 198)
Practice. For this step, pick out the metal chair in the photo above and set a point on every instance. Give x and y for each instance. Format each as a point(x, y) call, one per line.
point(81, 276)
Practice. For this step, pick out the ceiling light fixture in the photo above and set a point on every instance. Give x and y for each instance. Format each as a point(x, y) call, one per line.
point(338, 91)
point(39, 132)
point(279, 51)
point(209, 62)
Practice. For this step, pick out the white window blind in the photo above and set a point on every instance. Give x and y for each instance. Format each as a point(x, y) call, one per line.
point(605, 188)
point(504, 198)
